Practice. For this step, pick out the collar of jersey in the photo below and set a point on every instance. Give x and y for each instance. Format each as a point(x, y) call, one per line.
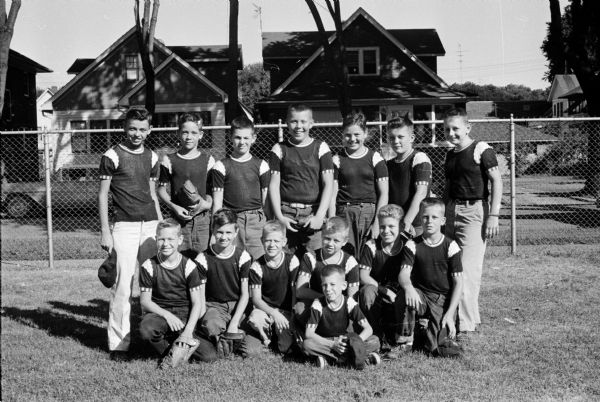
point(132, 151)
point(303, 145)
point(457, 152)
point(405, 158)
point(167, 266)
point(356, 157)
point(220, 256)
point(279, 264)
point(189, 157)
point(335, 309)
point(338, 262)
point(248, 157)
point(434, 245)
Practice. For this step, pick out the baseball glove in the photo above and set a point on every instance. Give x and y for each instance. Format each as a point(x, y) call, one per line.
point(180, 353)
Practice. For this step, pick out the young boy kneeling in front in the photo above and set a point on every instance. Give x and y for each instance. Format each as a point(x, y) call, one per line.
point(327, 336)
point(227, 268)
point(172, 293)
point(432, 281)
point(272, 279)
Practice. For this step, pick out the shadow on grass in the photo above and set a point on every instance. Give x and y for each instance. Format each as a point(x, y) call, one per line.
point(62, 321)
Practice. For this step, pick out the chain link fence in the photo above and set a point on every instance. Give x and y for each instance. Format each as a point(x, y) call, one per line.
point(555, 186)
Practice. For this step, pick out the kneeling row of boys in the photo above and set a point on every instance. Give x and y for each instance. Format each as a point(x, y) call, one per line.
point(196, 303)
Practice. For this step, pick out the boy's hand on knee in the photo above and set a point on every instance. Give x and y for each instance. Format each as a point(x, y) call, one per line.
point(280, 321)
point(175, 324)
point(448, 321)
point(314, 222)
point(491, 227)
point(413, 299)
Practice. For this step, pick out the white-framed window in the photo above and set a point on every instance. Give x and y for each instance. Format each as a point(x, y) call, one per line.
point(362, 60)
point(132, 67)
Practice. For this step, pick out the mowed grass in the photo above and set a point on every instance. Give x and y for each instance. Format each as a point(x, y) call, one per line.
point(540, 341)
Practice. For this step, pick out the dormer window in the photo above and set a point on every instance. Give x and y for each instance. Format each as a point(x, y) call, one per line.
point(131, 67)
point(362, 60)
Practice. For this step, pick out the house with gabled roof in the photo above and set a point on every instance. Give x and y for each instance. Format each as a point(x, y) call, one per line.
point(187, 79)
point(391, 71)
point(567, 97)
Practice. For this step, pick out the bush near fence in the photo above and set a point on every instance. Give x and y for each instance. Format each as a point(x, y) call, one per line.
point(552, 202)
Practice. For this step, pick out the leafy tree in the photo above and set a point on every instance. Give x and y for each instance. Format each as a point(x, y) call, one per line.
point(581, 41)
point(144, 29)
point(7, 26)
point(553, 46)
point(510, 92)
point(232, 87)
point(254, 83)
point(334, 52)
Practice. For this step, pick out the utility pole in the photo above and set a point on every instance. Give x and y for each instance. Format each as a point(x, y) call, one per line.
point(460, 62)
point(258, 11)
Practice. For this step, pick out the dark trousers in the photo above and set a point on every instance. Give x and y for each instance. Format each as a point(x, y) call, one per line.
point(389, 321)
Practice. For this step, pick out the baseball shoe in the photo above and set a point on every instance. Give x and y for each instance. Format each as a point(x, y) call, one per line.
point(320, 362)
point(373, 359)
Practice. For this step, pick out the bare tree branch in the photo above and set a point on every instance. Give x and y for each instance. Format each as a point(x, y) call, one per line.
point(6, 33)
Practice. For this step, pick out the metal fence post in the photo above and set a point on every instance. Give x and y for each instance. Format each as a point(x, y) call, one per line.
point(47, 174)
point(279, 131)
point(513, 206)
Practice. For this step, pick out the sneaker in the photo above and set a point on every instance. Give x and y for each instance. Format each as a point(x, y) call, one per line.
point(373, 359)
point(320, 362)
point(166, 362)
point(392, 354)
point(119, 356)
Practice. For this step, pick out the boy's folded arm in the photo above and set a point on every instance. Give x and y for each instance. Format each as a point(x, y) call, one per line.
point(311, 333)
point(150, 306)
point(303, 291)
point(367, 330)
point(366, 278)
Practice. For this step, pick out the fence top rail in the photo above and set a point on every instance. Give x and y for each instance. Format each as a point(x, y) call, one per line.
point(334, 124)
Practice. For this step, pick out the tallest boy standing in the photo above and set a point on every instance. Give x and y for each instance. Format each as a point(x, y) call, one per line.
point(129, 171)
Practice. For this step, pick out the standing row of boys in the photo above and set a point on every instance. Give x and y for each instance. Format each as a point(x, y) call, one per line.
point(377, 276)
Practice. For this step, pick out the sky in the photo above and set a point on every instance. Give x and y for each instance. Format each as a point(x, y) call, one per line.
point(486, 41)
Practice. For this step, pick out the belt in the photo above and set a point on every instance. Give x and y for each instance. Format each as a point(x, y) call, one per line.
point(465, 202)
point(356, 204)
point(249, 211)
point(297, 205)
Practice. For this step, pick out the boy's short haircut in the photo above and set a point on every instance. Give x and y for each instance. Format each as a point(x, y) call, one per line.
point(298, 108)
point(168, 223)
point(240, 123)
point(399, 122)
point(456, 112)
point(337, 224)
point(355, 119)
point(273, 226)
point(223, 217)
point(331, 269)
point(138, 113)
point(431, 202)
point(187, 117)
point(391, 211)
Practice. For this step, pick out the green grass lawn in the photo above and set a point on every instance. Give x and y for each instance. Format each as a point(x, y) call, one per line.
point(540, 340)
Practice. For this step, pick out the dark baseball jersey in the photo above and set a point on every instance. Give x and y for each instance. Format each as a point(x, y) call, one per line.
point(312, 264)
point(357, 176)
point(130, 172)
point(466, 171)
point(432, 265)
point(406, 175)
point(301, 168)
point(382, 266)
point(170, 286)
point(242, 182)
point(276, 284)
point(224, 273)
point(330, 323)
point(176, 169)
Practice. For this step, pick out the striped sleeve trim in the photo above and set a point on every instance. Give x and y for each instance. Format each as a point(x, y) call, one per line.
point(323, 149)
point(365, 267)
point(382, 179)
point(105, 177)
point(244, 280)
point(255, 286)
point(145, 289)
point(353, 285)
point(455, 274)
point(311, 325)
point(479, 149)
point(453, 249)
point(406, 266)
point(196, 288)
point(421, 183)
point(112, 155)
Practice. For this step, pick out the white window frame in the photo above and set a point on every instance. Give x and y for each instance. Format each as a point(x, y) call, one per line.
point(137, 67)
point(361, 63)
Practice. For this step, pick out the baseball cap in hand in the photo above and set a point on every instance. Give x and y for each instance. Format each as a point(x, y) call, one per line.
point(107, 273)
point(448, 347)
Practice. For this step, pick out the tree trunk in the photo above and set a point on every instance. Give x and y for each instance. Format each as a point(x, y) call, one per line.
point(145, 38)
point(232, 88)
point(7, 26)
